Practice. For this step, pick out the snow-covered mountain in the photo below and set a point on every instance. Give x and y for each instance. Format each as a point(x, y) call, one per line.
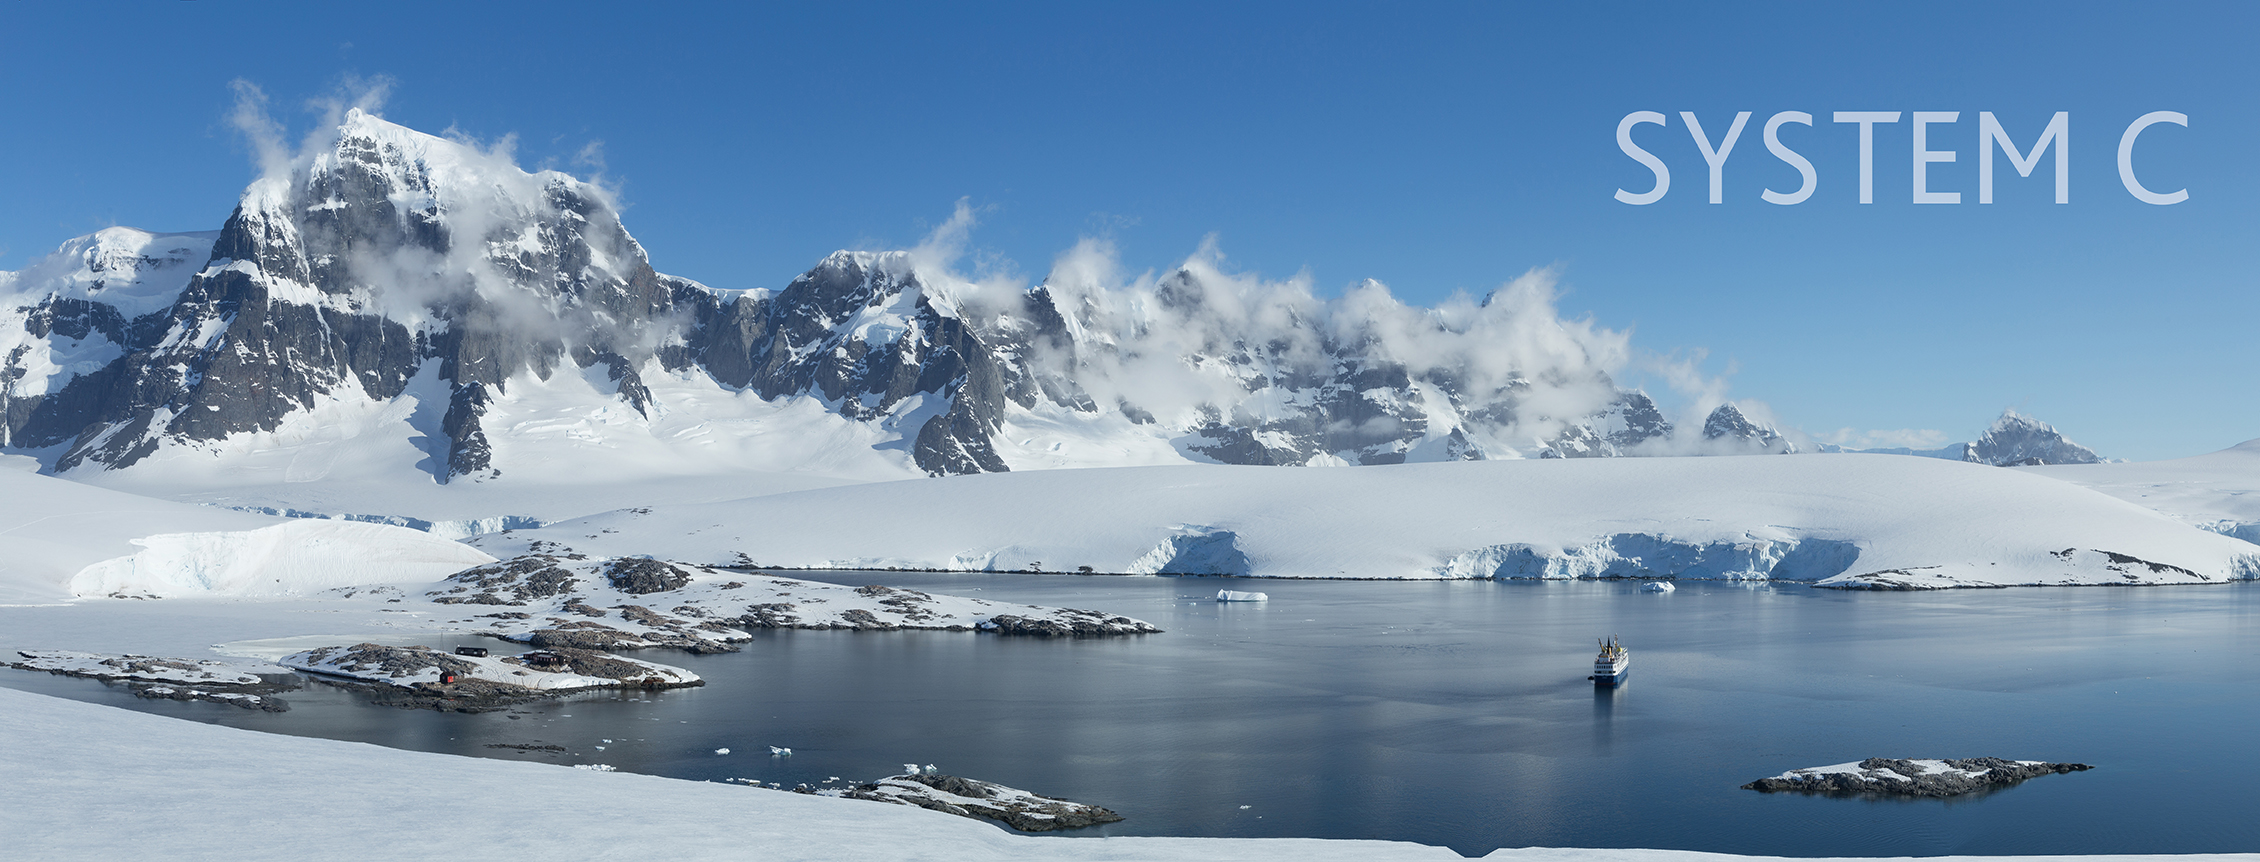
point(2014, 440)
point(2017, 440)
point(400, 304)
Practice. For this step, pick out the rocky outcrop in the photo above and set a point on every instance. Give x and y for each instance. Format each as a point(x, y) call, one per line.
point(1888, 777)
point(423, 678)
point(246, 684)
point(966, 797)
point(631, 603)
point(1067, 623)
point(640, 576)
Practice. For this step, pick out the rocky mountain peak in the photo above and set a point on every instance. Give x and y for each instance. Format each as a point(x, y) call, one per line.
point(1728, 425)
point(393, 266)
point(2017, 440)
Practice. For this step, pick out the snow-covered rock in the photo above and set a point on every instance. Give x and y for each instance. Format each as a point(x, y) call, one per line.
point(566, 600)
point(412, 666)
point(965, 797)
point(1889, 777)
point(144, 668)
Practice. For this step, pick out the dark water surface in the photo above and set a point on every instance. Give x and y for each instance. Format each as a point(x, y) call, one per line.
point(1458, 714)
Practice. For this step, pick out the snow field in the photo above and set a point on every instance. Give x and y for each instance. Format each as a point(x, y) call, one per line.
point(290, 558)
point(1834, 519)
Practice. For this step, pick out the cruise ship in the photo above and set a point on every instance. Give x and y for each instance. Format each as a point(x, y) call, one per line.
point(1609, 669)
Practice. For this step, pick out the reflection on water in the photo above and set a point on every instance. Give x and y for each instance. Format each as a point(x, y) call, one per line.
point(1459, 713)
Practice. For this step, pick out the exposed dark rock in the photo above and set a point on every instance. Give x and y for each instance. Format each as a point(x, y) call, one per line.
point(639, 576)
point(528, 746)
point(510, 582)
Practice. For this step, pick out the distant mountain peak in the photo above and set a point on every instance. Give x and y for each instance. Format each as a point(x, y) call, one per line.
point(2018, 440)
point(1727, 425)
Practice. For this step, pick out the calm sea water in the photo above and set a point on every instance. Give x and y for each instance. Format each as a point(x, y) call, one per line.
point(1458, 713)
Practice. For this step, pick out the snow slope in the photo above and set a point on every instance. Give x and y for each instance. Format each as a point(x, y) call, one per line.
point(60, 539)
point(51, 528)
point(583, 454)
point(1916, 522)
point(2219, 491)
point(93, 782)
point(290, 558)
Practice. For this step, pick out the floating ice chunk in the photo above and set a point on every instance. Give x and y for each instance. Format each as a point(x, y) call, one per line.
point(1238, 596)
point(721, 751)
point(1657, 587)
point(930, 769)
point(779, 751)
point(910, 769)
point(597, 767)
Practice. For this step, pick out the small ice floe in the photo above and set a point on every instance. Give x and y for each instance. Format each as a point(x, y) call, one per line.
point(1657, 587)
point(597, 767)
point(910, 769)
point(1238, 596)
point(721, 751)
point(930, 769)
point(780, 751)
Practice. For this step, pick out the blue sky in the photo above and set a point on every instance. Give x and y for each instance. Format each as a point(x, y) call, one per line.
point(1434, 147)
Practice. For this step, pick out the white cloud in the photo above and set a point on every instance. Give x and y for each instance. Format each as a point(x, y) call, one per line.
point(1896, 438)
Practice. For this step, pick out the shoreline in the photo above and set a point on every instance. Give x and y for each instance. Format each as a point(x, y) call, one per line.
point(81, 763)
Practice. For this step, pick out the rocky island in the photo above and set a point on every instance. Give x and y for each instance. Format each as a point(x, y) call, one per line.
point(1889, 777)
point(248, 684)
point(555, 598)
point(425, 678)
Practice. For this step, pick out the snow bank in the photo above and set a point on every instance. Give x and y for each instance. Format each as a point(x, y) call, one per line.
point(2219, 491)
point(51, 528)
point(291, 558)
point(1823, 518)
